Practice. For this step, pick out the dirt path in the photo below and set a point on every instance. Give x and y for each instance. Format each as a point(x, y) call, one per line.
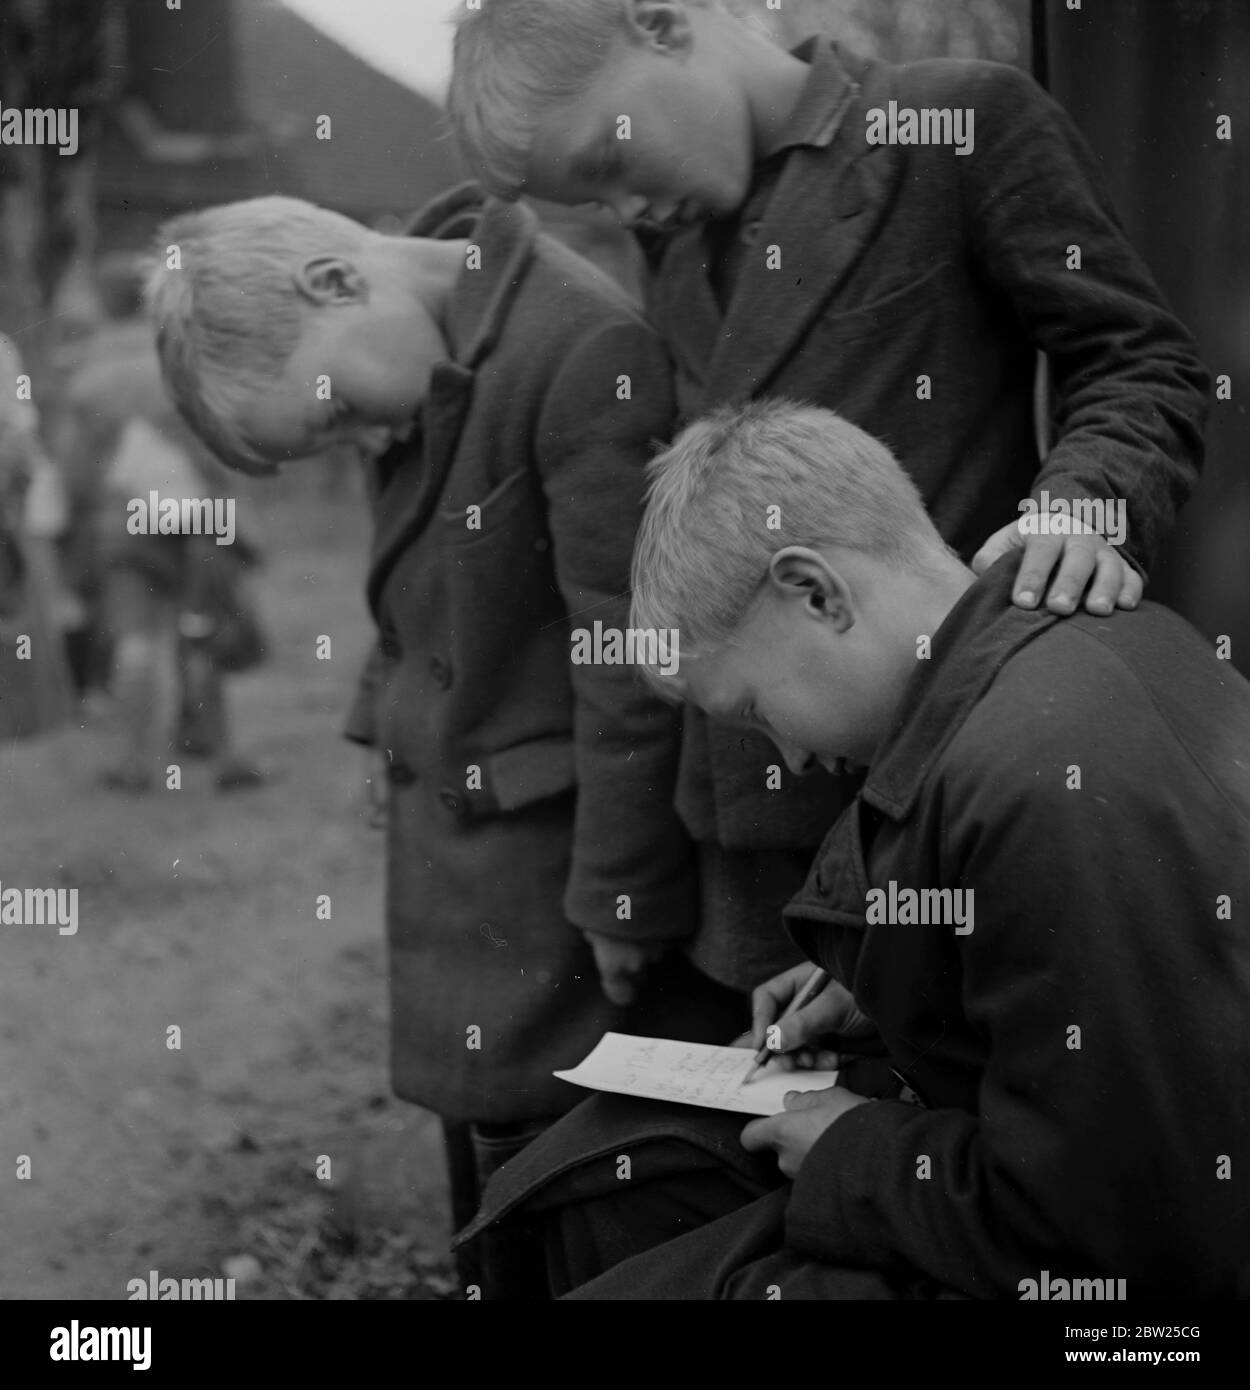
point(198, 910)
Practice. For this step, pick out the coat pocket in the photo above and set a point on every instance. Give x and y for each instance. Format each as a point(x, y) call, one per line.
point(510, 504)
point(897, 312)
point(529, 772)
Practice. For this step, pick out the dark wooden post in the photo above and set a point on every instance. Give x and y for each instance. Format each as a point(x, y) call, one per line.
point(1146, 83)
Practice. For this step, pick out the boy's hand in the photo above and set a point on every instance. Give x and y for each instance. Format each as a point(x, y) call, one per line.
point(832, 1011)
point(806, 1117)
point(1084, 561)
point(622, 964)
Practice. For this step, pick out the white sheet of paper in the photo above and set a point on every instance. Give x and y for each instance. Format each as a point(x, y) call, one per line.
point(691, 1073)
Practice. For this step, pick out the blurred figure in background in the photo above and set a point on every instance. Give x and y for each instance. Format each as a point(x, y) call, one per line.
point(35, 689)
point(176, 607)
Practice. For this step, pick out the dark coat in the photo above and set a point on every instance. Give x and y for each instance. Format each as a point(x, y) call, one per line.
point(901, 261)
point(1098, 909)
point(527, 794)
point(1095, 1154)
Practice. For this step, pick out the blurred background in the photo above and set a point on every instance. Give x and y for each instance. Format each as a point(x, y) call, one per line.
point(198, 909)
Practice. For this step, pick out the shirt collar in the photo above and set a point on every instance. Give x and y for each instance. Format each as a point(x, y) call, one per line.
point(979, 636)
point(823, 102)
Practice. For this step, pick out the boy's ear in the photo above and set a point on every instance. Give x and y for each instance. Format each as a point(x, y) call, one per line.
point(798, 572)
point(659, 24)
point(331, 280)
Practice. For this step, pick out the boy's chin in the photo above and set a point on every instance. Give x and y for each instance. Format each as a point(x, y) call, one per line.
point(727, 199)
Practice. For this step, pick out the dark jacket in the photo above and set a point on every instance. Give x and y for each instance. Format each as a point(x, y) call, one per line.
point(528, 795)
point(906, 261)
point(1081, 1053)
point(1098, 908)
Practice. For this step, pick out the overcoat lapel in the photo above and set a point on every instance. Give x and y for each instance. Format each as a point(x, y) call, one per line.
point(408, 501)
point(504, 235)
point(683, 280)
point(828, 205)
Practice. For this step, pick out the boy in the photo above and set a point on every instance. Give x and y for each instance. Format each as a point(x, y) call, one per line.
point(1029, 909)
point(805, 252)
point(35, 691)
point(530, 829)
point(165, 599)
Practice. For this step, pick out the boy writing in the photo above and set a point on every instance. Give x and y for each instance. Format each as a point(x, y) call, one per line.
point(1029, 909)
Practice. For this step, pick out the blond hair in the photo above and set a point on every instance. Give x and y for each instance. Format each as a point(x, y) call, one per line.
point(227, 313)
point(748, 481)
point(513, 61)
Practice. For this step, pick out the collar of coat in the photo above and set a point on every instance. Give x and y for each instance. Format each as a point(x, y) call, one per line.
point(504, 234)
point(980, 635)
point(823, 102)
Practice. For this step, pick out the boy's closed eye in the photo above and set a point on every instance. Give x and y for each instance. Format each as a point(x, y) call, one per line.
point(344, 422)
point(744, 716)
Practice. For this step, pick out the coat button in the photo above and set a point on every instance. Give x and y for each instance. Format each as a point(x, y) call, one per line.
point(391, 649)
point(441, 672)
point(401, 774)
point(453, 802)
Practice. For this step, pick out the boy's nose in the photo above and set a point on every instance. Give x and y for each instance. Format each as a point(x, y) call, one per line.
point(799, 762)
point(629, 208)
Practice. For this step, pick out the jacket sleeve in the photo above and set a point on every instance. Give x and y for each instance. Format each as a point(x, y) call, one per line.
point(362, 724)
point(593, 448)
point(1129, 390)
point(1111, 1001)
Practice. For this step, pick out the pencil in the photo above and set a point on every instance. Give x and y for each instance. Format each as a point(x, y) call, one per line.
point(816, 981)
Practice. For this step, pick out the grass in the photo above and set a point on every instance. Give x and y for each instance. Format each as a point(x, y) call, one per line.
point(197, 911)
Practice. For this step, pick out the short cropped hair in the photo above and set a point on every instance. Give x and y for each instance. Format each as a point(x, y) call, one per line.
point(228, 315)
point(748, 481)
point(514, 60)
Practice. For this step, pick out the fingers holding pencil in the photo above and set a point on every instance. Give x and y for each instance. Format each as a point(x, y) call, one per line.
point(793, 1010)
point(786, 1015)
